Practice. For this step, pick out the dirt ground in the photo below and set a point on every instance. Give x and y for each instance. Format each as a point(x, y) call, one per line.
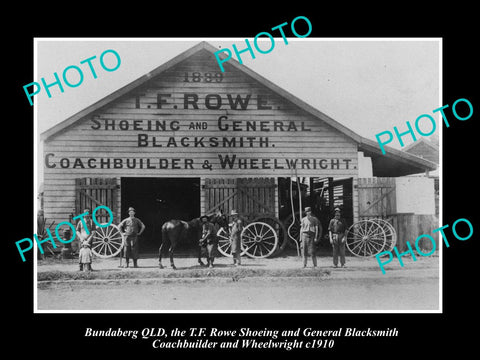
point(278, 284)
point(309, 294)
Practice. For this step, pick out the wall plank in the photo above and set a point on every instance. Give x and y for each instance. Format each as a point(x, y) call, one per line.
point(190, 103)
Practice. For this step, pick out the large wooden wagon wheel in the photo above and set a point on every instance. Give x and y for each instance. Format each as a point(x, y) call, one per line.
point(390, 234)
point(107, 241)
point(279, 228)
point(224, 246)
point(259, 239)
point(365, 238)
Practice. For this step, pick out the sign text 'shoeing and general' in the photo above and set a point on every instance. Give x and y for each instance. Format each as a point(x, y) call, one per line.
point(221, 133)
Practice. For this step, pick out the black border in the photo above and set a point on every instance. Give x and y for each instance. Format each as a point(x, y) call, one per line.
point(418, 332)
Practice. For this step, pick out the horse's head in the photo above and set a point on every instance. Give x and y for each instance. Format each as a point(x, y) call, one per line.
point(219, 218)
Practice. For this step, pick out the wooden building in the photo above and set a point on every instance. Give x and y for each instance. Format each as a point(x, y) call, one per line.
point(424, 149)
point(186, 139)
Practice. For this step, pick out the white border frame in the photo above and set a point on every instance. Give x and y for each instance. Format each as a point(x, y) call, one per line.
point(35, 184)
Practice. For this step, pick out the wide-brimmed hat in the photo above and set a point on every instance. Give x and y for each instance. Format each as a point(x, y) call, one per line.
point(338, 210)
point(85, 243)
point(308, 208)
point(233, 212)
point(131, 209)
point(203, 217)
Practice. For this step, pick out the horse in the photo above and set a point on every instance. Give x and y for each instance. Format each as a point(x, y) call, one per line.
point(175, 231)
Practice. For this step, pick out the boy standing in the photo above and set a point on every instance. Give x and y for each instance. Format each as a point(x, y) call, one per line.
point(85, 257)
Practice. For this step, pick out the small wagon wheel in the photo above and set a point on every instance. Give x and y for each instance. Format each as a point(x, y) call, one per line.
point(390, 234)
point(279, 228)
point(365, 238)
point(107, 241)
point(259, 239)
point(224, 246)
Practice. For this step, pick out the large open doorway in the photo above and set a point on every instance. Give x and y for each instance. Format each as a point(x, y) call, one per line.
point(323, 195)
point(157, 200)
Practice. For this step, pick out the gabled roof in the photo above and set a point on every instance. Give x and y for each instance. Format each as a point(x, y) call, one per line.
point(425, 149)
point(370, 148)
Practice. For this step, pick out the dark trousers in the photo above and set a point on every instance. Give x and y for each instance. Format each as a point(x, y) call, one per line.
point(308, 248)
point(85, 266)
point(131, 247)
point(210, 248)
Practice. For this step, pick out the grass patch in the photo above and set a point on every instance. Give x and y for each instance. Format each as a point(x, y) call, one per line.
point(236, 273)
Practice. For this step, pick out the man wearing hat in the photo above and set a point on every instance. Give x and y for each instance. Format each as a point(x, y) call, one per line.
point(208, 240)
point(310, 232)
point(236, 227)
point(131, 227)
point(337, 229)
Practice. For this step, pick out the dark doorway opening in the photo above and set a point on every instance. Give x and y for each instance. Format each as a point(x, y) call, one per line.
point(323, 195)
point(157, 200)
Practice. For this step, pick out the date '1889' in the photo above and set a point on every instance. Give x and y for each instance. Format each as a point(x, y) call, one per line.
point(206, 77)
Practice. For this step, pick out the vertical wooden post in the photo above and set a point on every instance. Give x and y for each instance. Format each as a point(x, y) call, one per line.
point(330, 195)
point(275, 198)
point(355, 199)
point(312, 193)
point(202, 195)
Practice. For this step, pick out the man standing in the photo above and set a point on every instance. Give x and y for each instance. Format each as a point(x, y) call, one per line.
point(236, 227)
point(208, 240)
point(337, 229)
point(131, 228)
point(310, 235)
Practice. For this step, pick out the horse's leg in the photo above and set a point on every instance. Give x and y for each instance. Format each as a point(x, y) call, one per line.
point(164, 239)
point(160, 256)
point(171, 250)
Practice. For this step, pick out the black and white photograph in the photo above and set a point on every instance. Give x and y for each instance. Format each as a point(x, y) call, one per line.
point(216, 180)
point(232, 175)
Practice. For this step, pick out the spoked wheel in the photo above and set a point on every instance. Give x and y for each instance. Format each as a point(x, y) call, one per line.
point(224, 246)
point(107, 241)
point(259, 239)
point(279, 228)
point(365, 238)
point(390, 234)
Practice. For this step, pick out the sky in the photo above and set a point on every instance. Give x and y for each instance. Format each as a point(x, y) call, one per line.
point(368, 85)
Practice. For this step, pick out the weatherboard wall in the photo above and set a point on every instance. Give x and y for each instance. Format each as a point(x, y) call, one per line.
point(193, 121)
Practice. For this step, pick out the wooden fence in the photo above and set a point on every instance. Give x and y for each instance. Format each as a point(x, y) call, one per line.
point(377, 199)
point(251, 197)
point(411, 226)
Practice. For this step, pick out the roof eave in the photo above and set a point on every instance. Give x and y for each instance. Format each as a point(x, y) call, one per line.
point(64, 125)
point(417, 164)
